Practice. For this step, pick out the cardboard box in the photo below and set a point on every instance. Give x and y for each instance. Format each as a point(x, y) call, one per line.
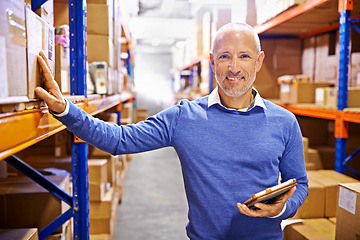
point(332, 219)
point(314, 157)
point(299, 92)
point(25, 204)
point(67, 234)
point(330, 179)
point(40, 36)
point(104, 225)
point(13, 81)
point(61, 13)
point(46, 11)
point(62, 68)
point(97, 191)
point(353, 100)
point(100, 237)
point(49, 161)
point(100, 48)
point(318, 228)
point(314, 204)
point(19, 234)
point(347, 213)
point(104, 208)
point(100, 19)
point(306, 149)
point(98, 171)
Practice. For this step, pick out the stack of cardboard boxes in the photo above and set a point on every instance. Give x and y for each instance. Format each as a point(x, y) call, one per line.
point(329, 209)
point(23, 34)
point(321, 212)
point(52, 155)
point(25, 204)
point(327, 97)
point(103, 41)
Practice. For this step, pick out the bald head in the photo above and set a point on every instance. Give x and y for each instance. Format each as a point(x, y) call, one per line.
point(236, 27)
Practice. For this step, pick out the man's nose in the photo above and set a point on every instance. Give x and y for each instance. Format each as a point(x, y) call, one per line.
point(234, 65)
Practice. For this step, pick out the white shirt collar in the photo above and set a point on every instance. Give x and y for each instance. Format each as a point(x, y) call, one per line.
point(214, 98)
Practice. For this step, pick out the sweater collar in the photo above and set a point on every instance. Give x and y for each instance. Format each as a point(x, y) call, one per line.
point(214, 98)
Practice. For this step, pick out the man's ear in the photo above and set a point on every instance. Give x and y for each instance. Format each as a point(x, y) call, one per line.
point(260, 61)
point(211, 56)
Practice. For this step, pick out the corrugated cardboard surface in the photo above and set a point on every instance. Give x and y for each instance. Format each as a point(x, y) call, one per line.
point(100, 48)
point(100, 19)
point(40, 36)
point(348, 223)
point(330, 180)
point(317, 228)
point(314, 204)
point(102, 209)
point(13, 87)
point(98, 171)
point(25, 204)
point(20, 233)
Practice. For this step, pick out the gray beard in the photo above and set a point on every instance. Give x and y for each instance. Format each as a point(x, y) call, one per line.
point(237, 93)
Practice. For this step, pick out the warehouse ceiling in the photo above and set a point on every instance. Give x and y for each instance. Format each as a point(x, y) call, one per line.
point(157, 25)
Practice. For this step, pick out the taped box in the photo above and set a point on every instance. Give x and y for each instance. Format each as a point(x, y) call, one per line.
point(348, 212)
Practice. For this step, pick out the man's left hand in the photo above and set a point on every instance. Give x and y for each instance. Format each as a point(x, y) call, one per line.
point(266, 210)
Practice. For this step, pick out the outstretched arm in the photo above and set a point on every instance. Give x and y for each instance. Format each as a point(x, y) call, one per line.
point(51, 94)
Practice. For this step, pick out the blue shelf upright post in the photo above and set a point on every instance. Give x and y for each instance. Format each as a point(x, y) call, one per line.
point(345, 7)
point(77, 23)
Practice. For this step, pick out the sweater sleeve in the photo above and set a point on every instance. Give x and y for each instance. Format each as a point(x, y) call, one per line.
point(153, 133)
point(292, 165)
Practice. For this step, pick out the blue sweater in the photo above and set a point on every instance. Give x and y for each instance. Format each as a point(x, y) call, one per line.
point(225, 155)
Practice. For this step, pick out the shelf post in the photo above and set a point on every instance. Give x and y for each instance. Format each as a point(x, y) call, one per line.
point(345, 7)
point(77, 23)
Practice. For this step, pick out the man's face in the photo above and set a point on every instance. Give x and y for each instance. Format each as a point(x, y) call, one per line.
point(235, 61)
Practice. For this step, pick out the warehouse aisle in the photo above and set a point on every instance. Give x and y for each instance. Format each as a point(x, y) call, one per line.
point(153, 203)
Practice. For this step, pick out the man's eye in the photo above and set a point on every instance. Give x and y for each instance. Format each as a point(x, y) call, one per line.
point(245, 56)
point(223, 57)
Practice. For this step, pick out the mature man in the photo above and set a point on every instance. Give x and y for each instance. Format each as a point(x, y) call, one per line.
point(231, 143)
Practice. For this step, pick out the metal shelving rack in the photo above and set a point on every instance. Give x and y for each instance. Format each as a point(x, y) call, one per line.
point(32, 126)
point(307, 20)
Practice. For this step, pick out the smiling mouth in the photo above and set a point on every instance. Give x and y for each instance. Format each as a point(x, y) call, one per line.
point(235, 78)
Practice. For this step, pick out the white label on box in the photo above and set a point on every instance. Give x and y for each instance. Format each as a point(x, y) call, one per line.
point(4, 90)
point(358, 79)
point(285, 88)
point(64, 81)
point(347, 200)
point(319, 95)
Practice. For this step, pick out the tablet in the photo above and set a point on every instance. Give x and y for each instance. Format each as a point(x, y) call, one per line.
point(269, 195)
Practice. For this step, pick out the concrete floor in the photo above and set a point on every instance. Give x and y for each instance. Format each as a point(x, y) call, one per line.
point(153, 204)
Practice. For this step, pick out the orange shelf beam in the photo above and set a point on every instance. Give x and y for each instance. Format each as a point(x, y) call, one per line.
point(323, 113)
point(289, 14)
point(20, 130)
point(311, 112)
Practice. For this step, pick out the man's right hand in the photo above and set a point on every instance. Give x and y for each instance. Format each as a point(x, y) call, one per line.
point(51, 94)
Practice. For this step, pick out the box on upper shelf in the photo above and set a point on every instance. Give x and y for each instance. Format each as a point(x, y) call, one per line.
point(293, 91)
point(40, 36)
point(328, 97)
point(13, 82)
